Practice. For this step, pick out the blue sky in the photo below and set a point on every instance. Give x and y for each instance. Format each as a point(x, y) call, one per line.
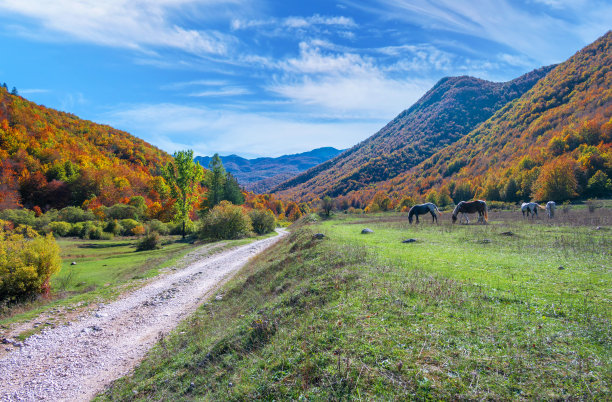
point(264, 77)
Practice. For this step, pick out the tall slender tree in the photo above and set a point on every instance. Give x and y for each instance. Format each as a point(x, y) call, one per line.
point(232, 190)
point(183, 175)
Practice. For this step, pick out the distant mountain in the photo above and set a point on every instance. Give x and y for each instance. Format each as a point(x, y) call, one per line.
point(261, 174)
point(446, 113)
point(53, 159)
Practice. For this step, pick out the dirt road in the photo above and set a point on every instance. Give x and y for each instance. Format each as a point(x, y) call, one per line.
point(76, 361)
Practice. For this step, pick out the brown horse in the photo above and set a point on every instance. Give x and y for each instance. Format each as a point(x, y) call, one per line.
point(469, 207)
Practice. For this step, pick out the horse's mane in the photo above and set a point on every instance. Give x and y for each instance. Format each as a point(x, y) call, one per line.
point(456, 210)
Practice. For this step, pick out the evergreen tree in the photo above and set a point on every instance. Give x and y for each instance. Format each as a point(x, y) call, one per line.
point(215, 182)
point(14, 91)
point(232, 192)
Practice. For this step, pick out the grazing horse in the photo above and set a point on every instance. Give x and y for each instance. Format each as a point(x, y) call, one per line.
point(550, 209)
point(469, 207)
point(530, 208)
point(421, 209)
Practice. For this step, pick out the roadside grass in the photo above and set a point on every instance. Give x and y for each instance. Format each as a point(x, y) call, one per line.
point(104, 269)
point(465, 312)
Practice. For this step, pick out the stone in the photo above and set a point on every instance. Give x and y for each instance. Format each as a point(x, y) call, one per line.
point(561, 268)
point(318, 236)
point(409, 241)
point(484, 241)
point(509, 233)
point(73, 263)
point(367, 231)
point(218, 297)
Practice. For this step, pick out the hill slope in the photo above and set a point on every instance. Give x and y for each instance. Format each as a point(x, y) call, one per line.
point(53, 159)
point(262, 174)
point(560, 128)
point(450, 110)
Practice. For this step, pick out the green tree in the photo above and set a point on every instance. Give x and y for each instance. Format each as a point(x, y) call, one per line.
point(327, 204)
point(599, 185)
point(183, 176)
point(231, 189)
point(215, 182)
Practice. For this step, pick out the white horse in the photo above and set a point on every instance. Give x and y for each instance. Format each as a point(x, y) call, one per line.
point(531, 208)
point(550, 209)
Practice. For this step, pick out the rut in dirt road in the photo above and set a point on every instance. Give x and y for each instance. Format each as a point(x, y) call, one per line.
point(76, 361)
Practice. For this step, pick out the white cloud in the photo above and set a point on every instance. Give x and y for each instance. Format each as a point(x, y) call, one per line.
point(540, 36)
point(344, 83)
point(33, 91)
point(174, 127)
point(295, 22)
point(225, 91)
point(136, 24)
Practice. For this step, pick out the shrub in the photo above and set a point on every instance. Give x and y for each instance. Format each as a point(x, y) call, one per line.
point(177, 228)
point(138, 230)
point(26, 265)
point(94, 233)
point(122, 211)
point(113, 227)
point(75, 214)
point(263, 221)
point(59, 228)
point(128, 225)
point(225, 221)
point(149, 242)
point(159, 227)
point(18, 216)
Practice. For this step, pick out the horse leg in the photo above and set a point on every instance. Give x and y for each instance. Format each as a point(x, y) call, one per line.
point(417, 216)
point(433, 217)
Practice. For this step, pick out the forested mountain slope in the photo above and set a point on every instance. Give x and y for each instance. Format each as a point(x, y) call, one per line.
point(262, 174)
point(450, 110)
point(552, 143)
point(52, 159)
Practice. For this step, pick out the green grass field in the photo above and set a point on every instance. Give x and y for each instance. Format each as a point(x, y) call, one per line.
point(465, 312)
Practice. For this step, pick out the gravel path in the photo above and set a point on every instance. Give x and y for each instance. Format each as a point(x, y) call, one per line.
point(76, 361)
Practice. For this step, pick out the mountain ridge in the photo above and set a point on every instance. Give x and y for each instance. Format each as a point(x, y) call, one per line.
point(448, 111)
point(261, 174)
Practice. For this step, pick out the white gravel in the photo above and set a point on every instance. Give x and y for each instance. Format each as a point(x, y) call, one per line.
point(77, 360)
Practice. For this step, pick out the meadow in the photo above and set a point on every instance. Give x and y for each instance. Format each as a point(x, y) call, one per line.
point(102, 270)
point(515, 309)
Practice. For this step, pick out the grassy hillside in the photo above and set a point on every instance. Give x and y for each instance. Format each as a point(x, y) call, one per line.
point(465, 312)
point(52, 159)
point(450, 110)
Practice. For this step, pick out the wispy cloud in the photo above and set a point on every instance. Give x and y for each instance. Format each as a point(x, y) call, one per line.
point(30, 91)
point(295, 22)
point(173, 127)
point(135, 24)
point(546, 37)
point(226, 91)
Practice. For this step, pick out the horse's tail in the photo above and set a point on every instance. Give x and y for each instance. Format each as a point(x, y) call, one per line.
point(539, 206)
point(437, 210)
point(486, 215)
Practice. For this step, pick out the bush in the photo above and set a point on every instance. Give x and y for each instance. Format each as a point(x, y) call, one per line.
point(159, 227)
point(138, 230)
point(59, 228)
point(177, 228)
point(225, 221)
point(75, 214)
point(113, 227)
point(128, 225)
point(149, 242)
point(26, 265)
point(263, 221)
point(19, 216)
point(122, 211)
